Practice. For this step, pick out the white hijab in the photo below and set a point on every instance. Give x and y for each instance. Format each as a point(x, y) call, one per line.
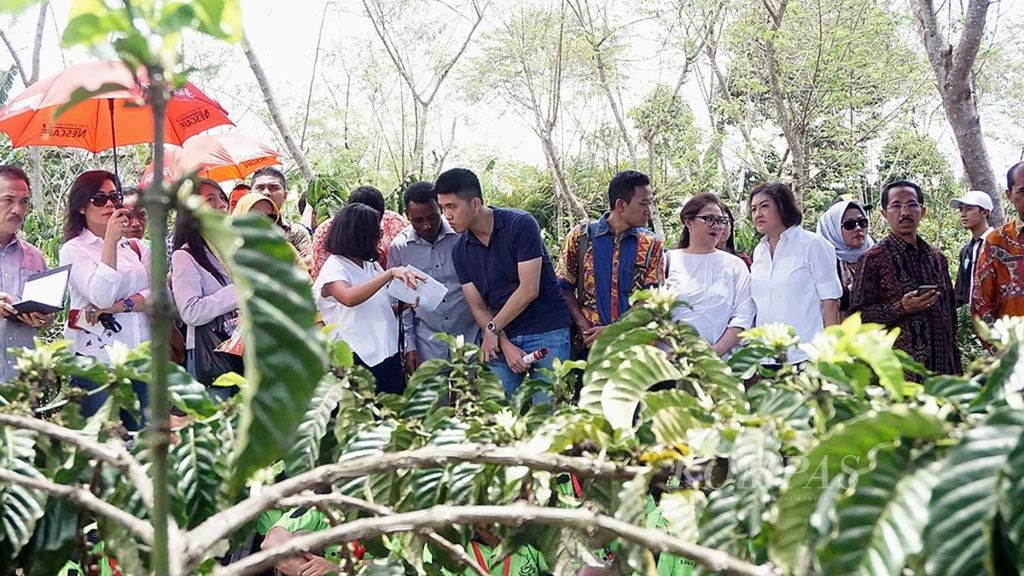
point(830, 227)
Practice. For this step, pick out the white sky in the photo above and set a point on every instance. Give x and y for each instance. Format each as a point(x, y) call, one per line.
point(284, 35)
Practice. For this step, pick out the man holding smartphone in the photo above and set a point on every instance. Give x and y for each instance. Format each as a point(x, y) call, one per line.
point(904, 283)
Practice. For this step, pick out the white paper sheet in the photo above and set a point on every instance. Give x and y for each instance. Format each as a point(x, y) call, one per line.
point(430, 292)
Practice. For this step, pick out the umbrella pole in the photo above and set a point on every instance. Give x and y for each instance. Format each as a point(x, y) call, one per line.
point(113, 139)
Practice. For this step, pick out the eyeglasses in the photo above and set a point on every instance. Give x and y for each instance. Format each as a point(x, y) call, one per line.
point(910, 207)
point(858, 223)
point(100, 200)
point(712, 220)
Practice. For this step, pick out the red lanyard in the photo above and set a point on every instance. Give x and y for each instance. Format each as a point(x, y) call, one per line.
point(576, 487)
point(483, 564)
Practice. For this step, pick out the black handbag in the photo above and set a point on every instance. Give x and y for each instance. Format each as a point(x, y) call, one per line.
point(208, 361)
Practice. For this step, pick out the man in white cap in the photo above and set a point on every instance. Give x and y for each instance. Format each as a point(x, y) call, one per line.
point(974, 207)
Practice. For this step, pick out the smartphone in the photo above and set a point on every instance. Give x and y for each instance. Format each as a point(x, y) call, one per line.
point(924, 289)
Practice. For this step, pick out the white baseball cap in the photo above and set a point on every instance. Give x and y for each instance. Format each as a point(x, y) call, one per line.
point(972, 198)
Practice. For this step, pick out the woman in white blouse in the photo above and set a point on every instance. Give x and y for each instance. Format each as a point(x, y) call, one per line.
point(351, 294)
point(793, 276)
point(200, 284)
point(713, 286)
point(109, 281)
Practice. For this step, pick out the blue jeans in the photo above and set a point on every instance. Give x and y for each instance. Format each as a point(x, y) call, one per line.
point(557, 343)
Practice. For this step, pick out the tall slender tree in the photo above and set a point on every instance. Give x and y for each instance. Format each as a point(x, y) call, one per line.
point(275, 112)
point(384, 17)
point(28, 77)
point(954, 78)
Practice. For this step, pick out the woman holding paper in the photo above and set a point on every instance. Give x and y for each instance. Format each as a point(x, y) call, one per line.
point(351, 294)
point(203, 293)
point(109, 281)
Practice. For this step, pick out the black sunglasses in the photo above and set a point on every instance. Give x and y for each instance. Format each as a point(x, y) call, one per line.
point(851, 224)
point(100, 200)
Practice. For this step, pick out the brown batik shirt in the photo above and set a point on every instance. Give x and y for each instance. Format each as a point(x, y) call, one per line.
point(887, 272)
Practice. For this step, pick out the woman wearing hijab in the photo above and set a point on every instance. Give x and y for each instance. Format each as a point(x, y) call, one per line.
point(257, 203)
point(845, 226)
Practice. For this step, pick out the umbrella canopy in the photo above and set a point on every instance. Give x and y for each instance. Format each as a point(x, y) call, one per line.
point(226, 156)
point(220, 157)
point(171, 170)
point(106, 120)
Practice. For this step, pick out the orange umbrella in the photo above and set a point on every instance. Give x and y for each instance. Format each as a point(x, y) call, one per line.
point(105, 120)
point(171, 170)
point(227, 156)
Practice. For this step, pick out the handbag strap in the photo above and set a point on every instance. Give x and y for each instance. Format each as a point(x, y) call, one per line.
point(581, 256)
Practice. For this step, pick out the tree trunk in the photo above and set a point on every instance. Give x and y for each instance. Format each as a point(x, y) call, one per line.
point(562, 189)
point(419, 138)
point(792, 130)
point(962, 113)
point(35, 156)
point(275, 112)
point(161, 310)
point(421, 98)
point(953, 69)
point(29, 78)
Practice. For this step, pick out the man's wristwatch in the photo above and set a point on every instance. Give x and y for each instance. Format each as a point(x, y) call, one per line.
point(129, 305)
point(492, 328)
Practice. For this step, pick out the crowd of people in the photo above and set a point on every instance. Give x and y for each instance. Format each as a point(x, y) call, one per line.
point(501, 288)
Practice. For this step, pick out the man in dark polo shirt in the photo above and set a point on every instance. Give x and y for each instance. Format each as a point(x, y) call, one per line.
point(506, 277)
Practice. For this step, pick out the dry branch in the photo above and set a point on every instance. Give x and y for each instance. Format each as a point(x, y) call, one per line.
point(339, 500)
point(113, 454)
point(86, 499)
point(200, 540)
point(515, 515)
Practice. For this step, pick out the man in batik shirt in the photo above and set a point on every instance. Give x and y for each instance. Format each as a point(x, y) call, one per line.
point(904, 283)
point(999, 274)
point(620, 256)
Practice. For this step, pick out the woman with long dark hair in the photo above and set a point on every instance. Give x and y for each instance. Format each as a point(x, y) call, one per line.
point(109, 281)
point(712, 285)
point(203, 293)
point(351, 293)
point(727, 241)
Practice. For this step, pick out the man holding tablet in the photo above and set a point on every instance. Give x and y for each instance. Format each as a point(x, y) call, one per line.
point(18, 261)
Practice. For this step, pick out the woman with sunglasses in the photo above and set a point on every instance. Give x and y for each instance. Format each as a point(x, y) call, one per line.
point(845, 226)
point(713, 286)
point(109, 280)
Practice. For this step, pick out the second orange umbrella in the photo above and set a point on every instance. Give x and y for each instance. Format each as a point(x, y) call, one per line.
point(227, 156)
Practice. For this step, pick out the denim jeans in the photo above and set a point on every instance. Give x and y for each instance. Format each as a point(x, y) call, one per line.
point(557, 343)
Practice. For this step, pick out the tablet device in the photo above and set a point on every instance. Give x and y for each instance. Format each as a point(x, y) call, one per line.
point(44, 292)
